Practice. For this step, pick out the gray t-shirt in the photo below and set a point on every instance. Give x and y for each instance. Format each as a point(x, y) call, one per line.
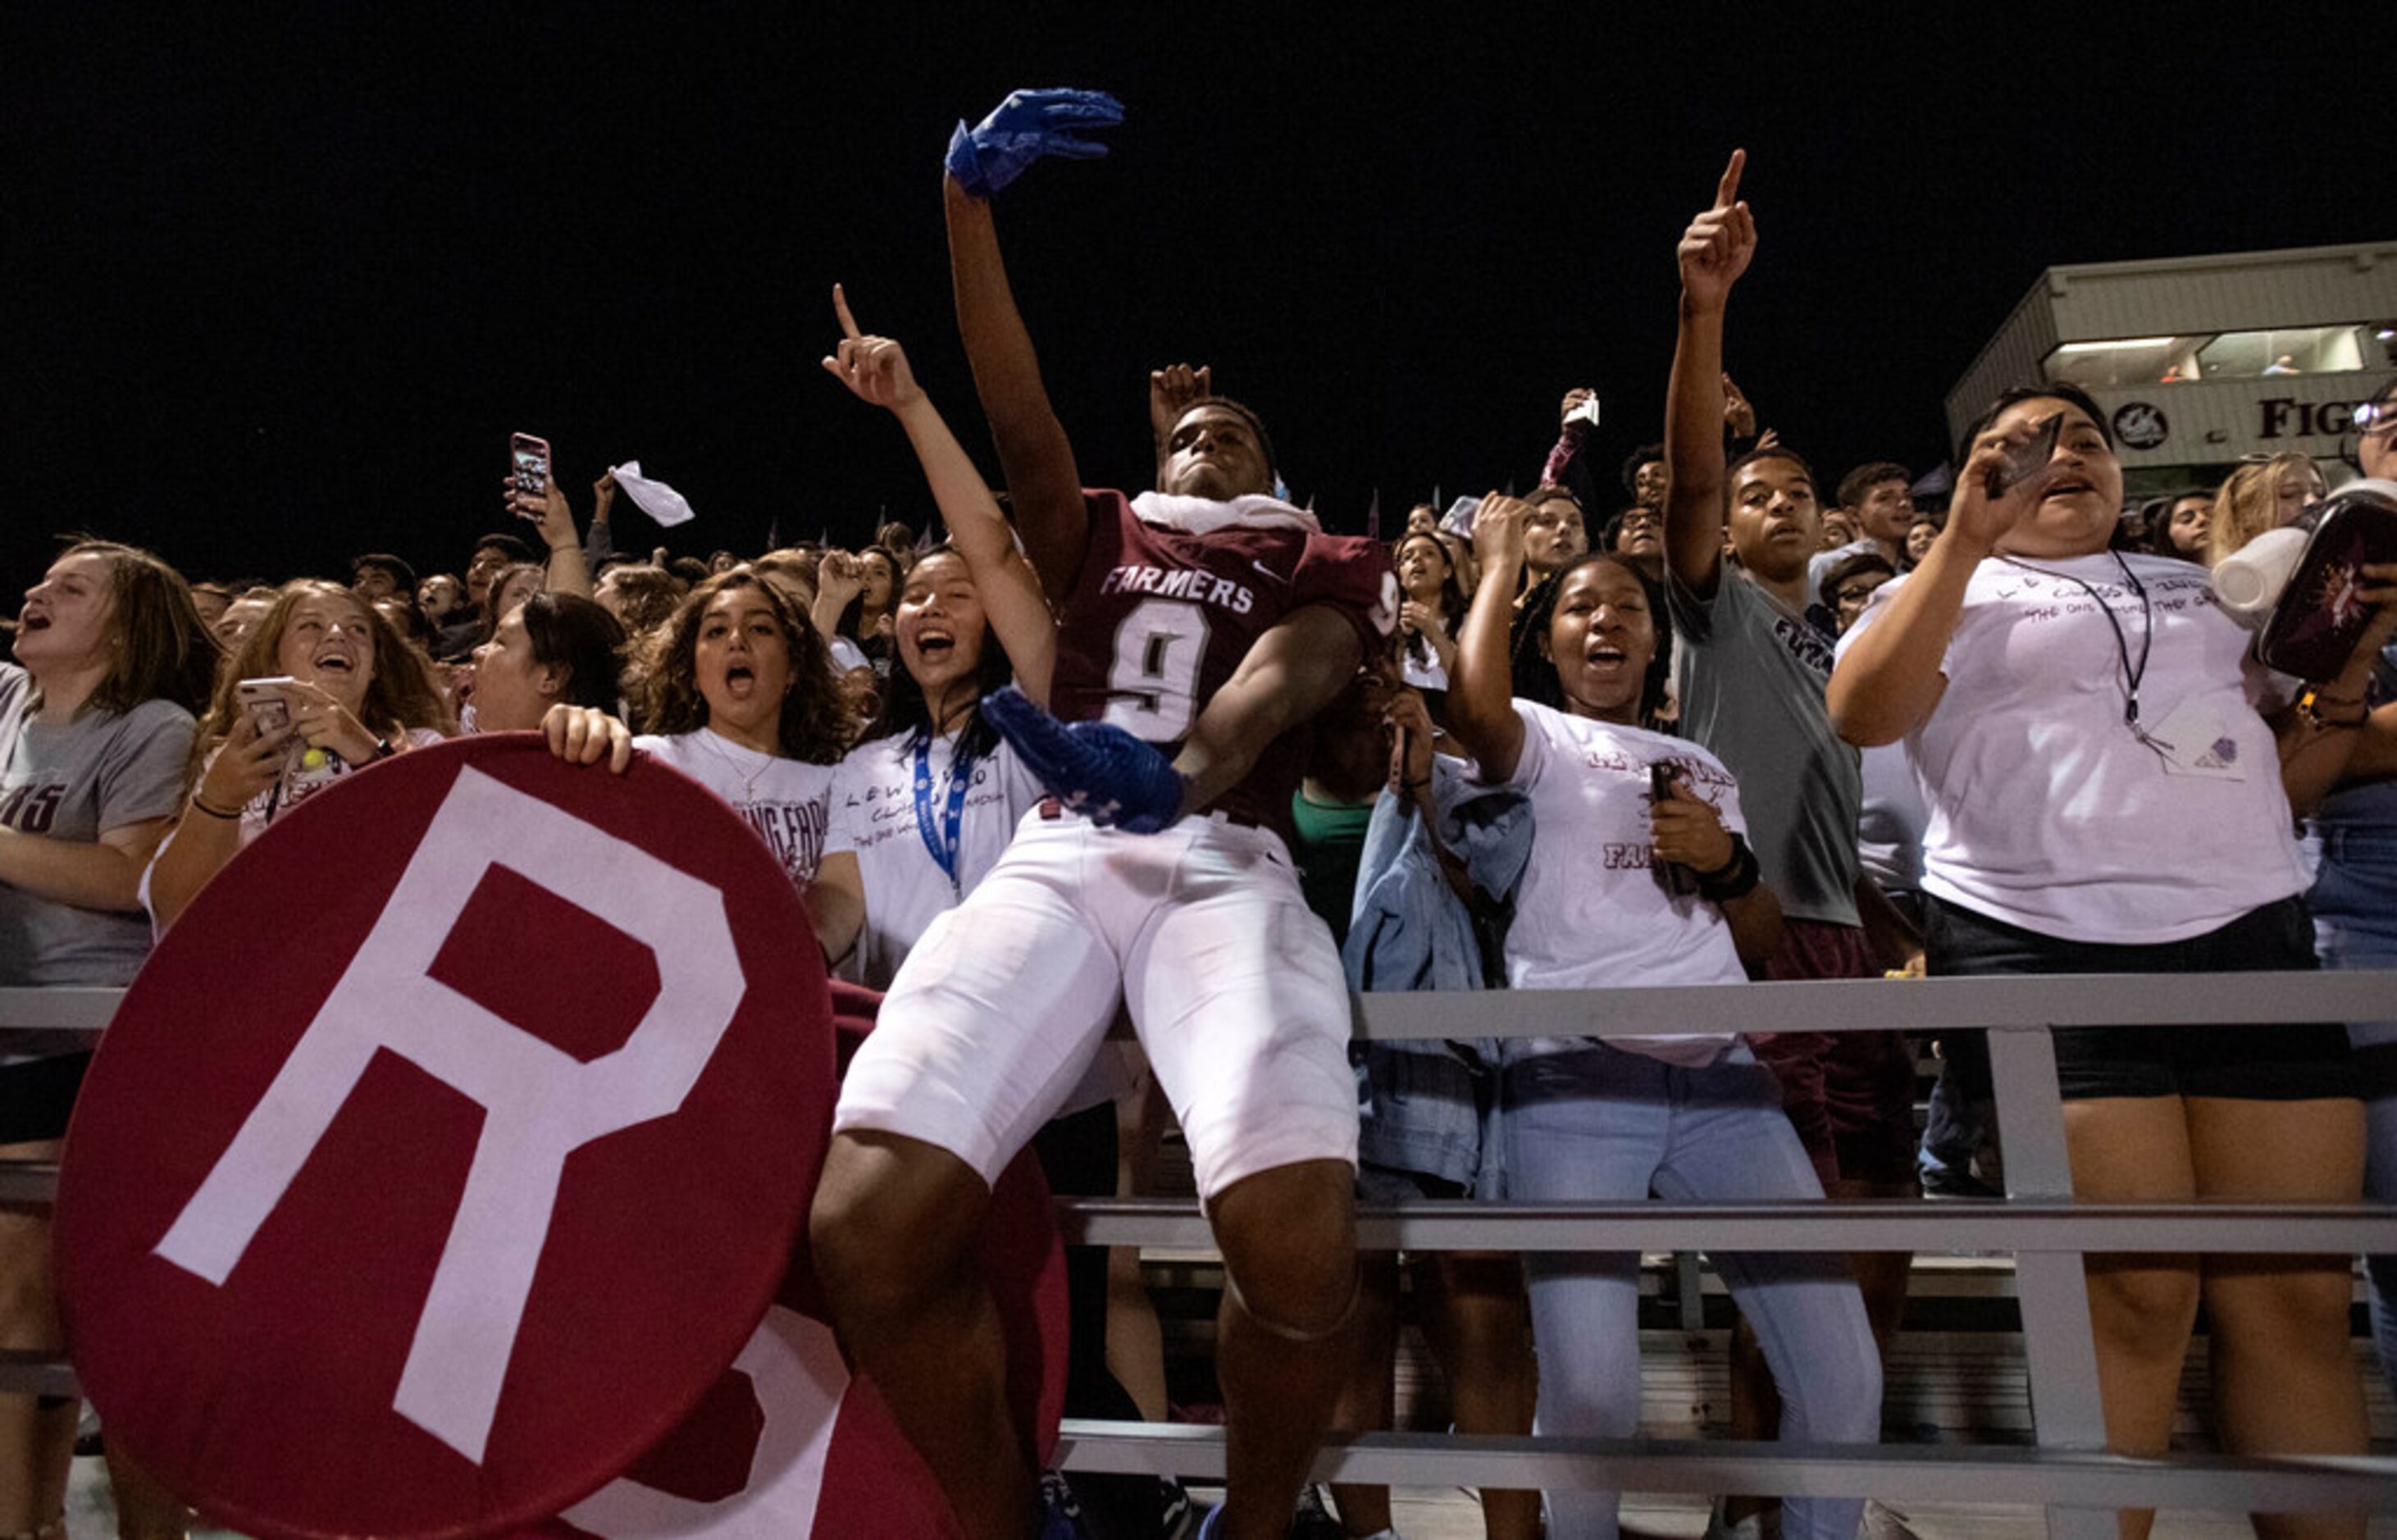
point(1751, 677)
point(74, 781)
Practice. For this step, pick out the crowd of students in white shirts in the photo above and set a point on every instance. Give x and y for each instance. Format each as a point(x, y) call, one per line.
point(1571, 770)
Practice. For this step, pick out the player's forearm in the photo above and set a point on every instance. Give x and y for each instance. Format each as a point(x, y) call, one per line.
point(1034, 453)
point(1290, 673)
point(1694, 451)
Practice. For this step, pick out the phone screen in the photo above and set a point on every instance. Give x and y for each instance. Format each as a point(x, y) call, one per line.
point(529, 457)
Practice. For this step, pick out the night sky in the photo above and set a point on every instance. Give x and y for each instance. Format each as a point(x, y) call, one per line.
point(280, 285)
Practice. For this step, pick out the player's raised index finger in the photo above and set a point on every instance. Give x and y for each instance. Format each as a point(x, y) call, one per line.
point(840, 309)
point(1727, 189)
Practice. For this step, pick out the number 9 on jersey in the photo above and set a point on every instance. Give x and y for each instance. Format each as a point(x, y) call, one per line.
point(1153, 684)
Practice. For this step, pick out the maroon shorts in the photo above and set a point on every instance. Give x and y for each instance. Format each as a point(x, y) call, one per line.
point(1849, 1094)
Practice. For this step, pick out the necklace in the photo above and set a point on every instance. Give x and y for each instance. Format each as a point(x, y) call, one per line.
point(748, 778)
point(2131, 676)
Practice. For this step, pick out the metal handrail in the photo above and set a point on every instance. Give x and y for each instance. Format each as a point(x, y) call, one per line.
point(1885, 1005)
point(1868, 1225)
point(1975, 1473)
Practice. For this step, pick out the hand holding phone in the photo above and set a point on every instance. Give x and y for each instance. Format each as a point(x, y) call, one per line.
point(254, 754)
point(1409, 721)
point(262, 701)
point(2027, 458)
point(1677, 880)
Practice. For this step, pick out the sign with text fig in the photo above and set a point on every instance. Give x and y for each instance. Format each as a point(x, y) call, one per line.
point(448, 1149)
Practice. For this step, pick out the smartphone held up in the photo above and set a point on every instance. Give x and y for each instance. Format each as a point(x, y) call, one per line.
point(2029, 458)
point(528, 467)
point(262, 700)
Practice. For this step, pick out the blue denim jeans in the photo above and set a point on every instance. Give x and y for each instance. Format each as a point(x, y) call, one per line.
point(2354, 904)
point(1606, 1124)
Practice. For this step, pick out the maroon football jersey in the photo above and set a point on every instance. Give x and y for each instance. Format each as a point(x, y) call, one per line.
point(1159, 618)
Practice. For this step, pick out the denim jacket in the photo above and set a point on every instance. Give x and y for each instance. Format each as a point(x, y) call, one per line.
point(1423, 1107)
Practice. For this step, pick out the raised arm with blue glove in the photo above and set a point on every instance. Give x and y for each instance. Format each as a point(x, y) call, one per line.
point(1026, 127)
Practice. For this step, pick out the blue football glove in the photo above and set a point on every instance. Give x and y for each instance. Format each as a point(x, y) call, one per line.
point(1022, 130)
point(1099, 770)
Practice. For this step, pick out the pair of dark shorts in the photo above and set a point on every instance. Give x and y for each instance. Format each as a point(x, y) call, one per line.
point(2248, 1060)
point(37, 1096)
point(1850, 1095)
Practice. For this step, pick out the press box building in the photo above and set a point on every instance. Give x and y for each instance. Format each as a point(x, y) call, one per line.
point(2200, 360)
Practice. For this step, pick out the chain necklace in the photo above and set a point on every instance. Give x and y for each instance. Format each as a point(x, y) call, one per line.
point(748, 778)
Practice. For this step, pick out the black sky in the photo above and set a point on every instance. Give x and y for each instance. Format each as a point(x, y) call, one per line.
point(280, 284)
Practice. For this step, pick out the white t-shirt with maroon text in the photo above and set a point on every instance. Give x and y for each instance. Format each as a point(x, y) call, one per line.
point(787, 801)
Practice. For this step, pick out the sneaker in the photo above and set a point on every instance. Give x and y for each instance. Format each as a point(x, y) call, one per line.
point(1313, 1521)
point(1099, 770)
point(1177, 1517)
point(1949, 1183)
point(1061, 1515)
point(1763, 1524)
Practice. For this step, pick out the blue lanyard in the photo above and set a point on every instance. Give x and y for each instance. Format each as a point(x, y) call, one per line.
point(943, 844)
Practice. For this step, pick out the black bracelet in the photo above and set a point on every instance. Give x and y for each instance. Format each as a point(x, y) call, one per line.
point(2311, 707)
point(214, 813)
point(1734, 879)
point(1414, 785)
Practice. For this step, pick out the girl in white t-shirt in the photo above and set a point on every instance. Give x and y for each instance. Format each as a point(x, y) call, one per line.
point(1623, 889)
point(2104, 798)
point(922, 810)
point(737, 692)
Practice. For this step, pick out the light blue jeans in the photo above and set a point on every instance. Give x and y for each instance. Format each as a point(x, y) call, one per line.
point(2354, 904)
point(1601, 1123)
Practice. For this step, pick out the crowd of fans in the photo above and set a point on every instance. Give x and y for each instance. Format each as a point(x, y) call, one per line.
point(1728, 643)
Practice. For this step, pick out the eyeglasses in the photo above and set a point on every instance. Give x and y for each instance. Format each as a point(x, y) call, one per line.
point(2376, 417)
point(1853, 594)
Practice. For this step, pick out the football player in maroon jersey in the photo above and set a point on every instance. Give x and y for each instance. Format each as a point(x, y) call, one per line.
point(1212, 620)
